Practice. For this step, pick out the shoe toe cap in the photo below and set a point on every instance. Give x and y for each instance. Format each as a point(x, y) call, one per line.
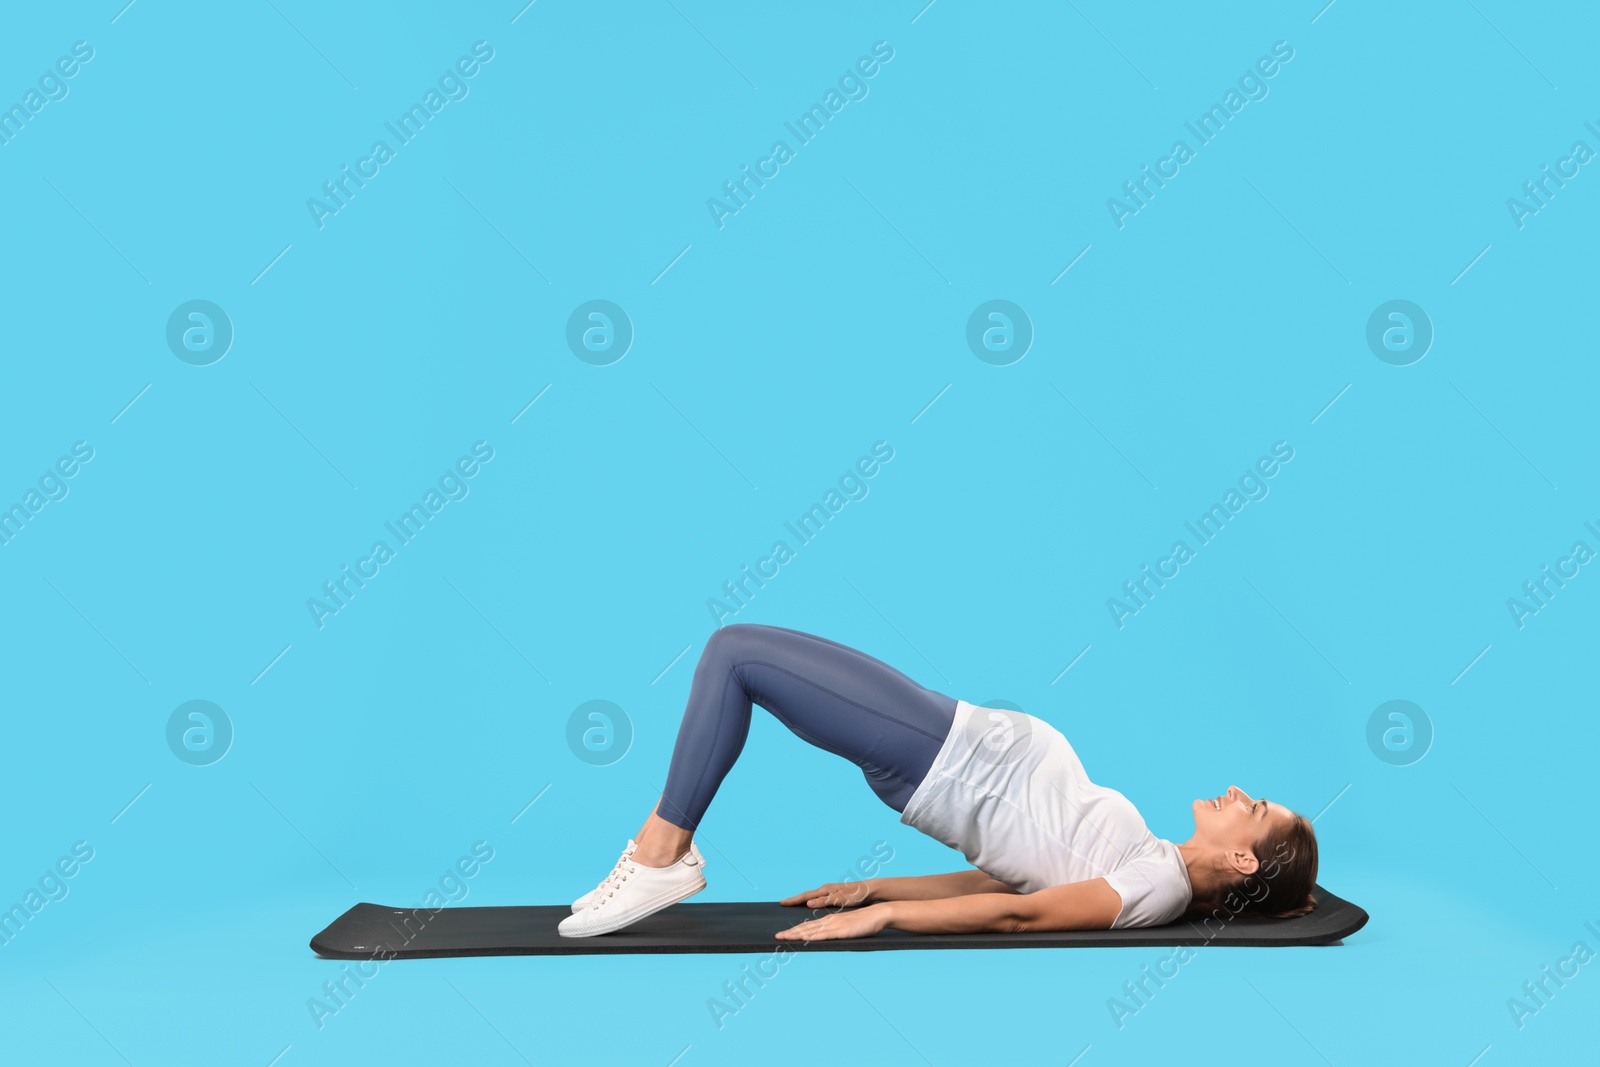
point(576, 925)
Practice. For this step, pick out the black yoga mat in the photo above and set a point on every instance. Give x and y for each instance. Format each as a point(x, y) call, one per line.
point(373, 931)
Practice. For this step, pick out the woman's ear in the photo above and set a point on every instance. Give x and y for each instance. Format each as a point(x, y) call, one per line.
point(1240, 860)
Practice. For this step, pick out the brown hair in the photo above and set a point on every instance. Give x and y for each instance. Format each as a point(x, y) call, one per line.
point(1288, 867)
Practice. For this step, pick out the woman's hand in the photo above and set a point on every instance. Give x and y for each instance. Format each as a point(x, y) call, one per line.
point(833, 895)
point(862, 922)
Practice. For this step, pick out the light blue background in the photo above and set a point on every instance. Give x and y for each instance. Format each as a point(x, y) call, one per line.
point(828, 314)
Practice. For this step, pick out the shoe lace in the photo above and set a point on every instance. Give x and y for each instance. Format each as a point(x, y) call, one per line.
point(614, 880)
point(606, 882)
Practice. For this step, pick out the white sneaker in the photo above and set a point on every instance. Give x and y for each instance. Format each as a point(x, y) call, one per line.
point(634, 891)
point(589, 897)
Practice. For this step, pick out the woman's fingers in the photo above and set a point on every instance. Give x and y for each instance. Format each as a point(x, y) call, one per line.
point(804, 898)
point(831, 895)
point(815, 930)
point(862, 923)
point(816, 898)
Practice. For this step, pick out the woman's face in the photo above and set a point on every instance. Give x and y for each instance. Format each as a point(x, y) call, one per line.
point(1235, 819)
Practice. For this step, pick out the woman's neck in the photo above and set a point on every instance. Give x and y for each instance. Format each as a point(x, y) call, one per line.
point(1203, 873)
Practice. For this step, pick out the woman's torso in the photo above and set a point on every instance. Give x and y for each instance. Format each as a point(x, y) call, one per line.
point(1008, 792)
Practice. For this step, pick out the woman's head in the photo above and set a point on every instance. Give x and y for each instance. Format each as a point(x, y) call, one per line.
point(1258, 857)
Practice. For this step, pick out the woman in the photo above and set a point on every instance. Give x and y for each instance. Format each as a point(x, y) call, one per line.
point(1052, 850)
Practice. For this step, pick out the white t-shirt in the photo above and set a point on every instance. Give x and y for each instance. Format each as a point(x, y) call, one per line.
point(1008, 792)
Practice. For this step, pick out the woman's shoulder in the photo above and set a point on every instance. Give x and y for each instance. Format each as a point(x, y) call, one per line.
point(1154, 885)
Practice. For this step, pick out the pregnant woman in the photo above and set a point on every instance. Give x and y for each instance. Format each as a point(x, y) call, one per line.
point(1051, 849)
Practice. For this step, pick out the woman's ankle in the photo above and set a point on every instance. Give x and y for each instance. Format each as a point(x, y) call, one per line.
point(661, 843)
point(655, 854)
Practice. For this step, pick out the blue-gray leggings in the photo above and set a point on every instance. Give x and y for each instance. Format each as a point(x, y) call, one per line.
point(828, 694)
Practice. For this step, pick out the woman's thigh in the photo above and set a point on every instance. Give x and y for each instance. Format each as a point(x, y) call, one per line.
point(839, 698)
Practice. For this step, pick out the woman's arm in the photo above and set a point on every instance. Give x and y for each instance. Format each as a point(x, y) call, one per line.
point(911, 887)
point(1088, 905)
point(937, 886)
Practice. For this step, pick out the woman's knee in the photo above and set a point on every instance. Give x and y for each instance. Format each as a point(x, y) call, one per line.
point(728, 643)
